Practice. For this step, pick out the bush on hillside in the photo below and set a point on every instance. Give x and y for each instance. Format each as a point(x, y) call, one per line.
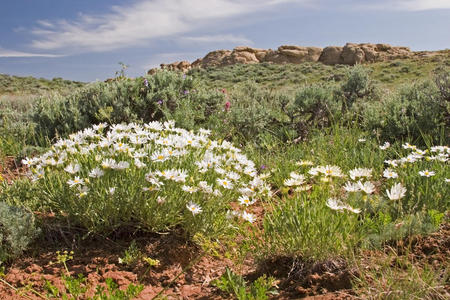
point(416, 111)
point(122, 101)
point(314, 106)
point(356, 86)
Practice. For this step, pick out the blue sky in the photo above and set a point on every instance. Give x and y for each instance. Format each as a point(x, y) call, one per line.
point(86, 39)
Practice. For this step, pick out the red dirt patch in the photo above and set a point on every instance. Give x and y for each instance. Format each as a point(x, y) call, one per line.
point(97, 263)
point(10, 169)
point(185, 272)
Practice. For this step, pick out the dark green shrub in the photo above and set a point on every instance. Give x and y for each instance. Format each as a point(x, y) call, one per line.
point(357, 85)
point(17, 230)
point(254, 112)
point(416, 111)
point(314, 106)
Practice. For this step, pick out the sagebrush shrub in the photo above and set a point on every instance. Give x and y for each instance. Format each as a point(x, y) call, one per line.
point(17, 231)
point(315, 107)
point(415, 111)
point(125, 100)
point(356, 85)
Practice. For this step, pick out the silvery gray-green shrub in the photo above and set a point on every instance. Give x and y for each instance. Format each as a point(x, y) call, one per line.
point(17, 231)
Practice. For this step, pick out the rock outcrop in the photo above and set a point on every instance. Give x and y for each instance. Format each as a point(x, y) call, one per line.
point(350, 54)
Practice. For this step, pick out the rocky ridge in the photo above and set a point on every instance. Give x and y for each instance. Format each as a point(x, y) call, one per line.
point(350, 54)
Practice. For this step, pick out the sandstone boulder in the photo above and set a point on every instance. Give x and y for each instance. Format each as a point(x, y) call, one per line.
point(182, 66)
point(299, 54)
point(212, 59)
point(331, 55)
point(247, 49)
point(350, 54)
point(240, 57)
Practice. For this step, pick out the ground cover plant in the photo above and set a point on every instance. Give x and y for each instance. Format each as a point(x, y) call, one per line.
point(204, 188)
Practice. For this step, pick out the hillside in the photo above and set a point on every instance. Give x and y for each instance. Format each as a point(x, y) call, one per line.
point(290, 76)
point(350, 54)
point(35, 86)
point(241, 181)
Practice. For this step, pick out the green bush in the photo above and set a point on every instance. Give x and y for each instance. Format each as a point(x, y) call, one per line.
point(416, 111)
point(155, 177)
point(314, 107)
point(17, 231)
point(357, 85)
point(123, 101)
point(253, 113)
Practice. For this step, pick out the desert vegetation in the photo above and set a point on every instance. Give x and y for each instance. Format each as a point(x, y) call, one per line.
point(247, 181)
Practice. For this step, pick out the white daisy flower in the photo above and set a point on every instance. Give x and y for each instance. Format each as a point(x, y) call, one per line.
point(159, 157)
point(122, 165)
point(360, 172)
point(72, 168)
point(385, 146)
point(388, 173)
point(245, 200)
point(108, 163)
point(397, 192)
point(248, 217)
point(332, 171)
point(225, 183)
point(351, 187)
point(367, 187)
point(74, 182)
point(139, 164)
point(426, 173)
point(304, 163)
point(335, 204)
point(189, 189)
point(111, 190)
point(194, 208)
point(96, 173)
point(393, 163)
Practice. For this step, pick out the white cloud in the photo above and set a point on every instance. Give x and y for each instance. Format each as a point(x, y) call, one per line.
point(408, 5)
point(424, 4)
point(13, 53)
point(45, 23)
point(143, 21)
point(221, 38)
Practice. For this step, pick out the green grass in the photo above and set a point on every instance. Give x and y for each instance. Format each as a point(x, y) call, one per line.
point(288, 77)
point(279, 115)
point(16, 85)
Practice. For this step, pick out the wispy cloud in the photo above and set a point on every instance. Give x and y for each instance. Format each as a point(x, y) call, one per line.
point(221, 38)
point(143, 21)
point(13, 53)
point(407, 5)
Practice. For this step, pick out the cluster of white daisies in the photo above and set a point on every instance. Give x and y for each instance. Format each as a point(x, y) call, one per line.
point(360, 177)
point(160, 153)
